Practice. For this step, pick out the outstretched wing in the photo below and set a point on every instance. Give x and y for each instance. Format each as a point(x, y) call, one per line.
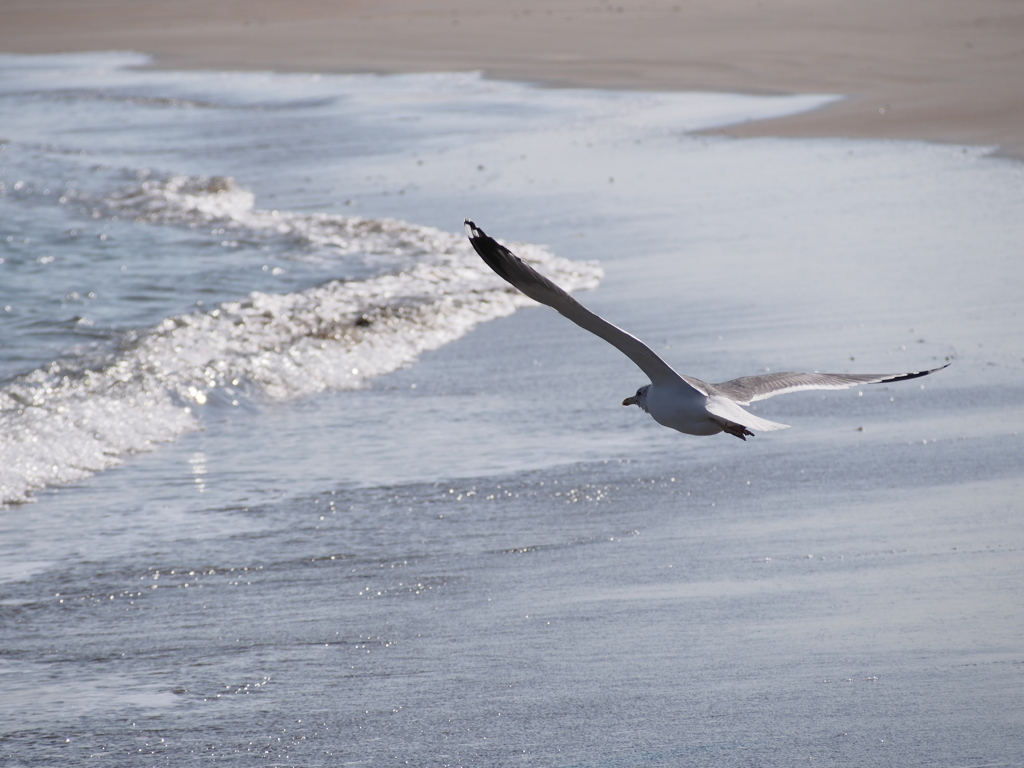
point(523, 277)
point(748, 389)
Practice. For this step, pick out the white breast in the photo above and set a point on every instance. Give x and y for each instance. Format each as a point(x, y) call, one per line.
point(681, 408)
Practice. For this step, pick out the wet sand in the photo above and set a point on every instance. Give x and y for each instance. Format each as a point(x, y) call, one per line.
point(938, 70)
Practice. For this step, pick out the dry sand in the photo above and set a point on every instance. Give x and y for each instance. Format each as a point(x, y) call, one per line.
point(941, 70)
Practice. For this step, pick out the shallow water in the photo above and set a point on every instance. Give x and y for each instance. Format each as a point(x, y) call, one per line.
point(465, 552)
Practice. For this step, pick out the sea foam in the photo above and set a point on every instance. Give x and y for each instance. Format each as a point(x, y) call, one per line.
point(79, 415)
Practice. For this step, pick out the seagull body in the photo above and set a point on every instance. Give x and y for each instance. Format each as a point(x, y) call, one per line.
point(680, 402)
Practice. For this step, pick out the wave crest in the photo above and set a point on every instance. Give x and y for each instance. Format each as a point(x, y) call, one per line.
point(81, 415)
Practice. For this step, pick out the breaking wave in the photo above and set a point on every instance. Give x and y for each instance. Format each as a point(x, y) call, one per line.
point(82, 414)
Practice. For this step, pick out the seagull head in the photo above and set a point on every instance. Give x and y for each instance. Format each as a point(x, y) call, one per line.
point(640, 398)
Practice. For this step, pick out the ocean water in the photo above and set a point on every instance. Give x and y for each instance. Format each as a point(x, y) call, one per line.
point(289, 478)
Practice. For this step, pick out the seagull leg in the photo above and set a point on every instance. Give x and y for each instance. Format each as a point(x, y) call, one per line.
point(736, 430)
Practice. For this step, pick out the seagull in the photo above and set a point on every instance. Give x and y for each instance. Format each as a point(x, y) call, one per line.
point(680, 402)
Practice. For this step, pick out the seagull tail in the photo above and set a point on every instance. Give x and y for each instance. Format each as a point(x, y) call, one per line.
point(762, 425)
point(730, 414)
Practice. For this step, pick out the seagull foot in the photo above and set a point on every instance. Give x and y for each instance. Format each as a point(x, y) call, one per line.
point(736, 430)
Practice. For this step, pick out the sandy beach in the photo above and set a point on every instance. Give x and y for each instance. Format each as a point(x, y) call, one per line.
point(938, 70)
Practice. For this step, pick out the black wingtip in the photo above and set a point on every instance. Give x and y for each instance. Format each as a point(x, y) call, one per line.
point(479, 239)
point(495, 255)
point(917, 374)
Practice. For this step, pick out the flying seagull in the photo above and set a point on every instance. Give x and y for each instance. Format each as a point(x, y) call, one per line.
point(674, 400)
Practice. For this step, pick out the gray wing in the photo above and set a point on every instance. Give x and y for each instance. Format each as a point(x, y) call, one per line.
point(512, 269)
point(746, 390)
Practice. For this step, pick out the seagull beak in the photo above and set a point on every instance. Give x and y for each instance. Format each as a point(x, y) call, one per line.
point(630, 400)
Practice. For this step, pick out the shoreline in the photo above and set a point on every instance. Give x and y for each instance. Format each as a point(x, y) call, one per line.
point(946, 71)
